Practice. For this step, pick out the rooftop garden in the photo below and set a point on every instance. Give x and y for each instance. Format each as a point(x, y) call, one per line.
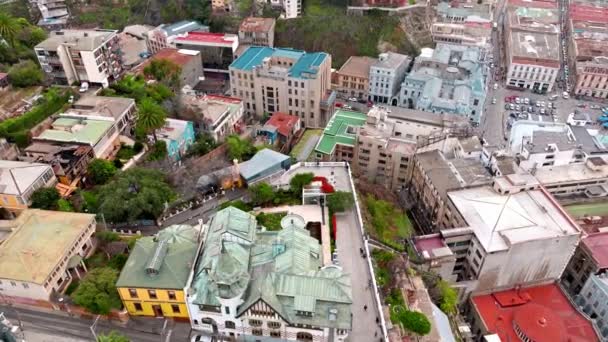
point(272, 221)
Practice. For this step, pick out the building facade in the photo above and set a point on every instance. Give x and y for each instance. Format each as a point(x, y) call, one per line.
point(352, 80)
point(272, 80)
point(19, 180)
point(54, 243)
point(70, 56)
point(220, 116)
point(217, 50)
point(163, 36)
point(69, 162)
point(589, 259)
point(385, 77)
point(593, 301)
point(153, 280)
point(447, 79)
point(178, 135)
point(234, 299)
point(463, 24)
point(257, 31)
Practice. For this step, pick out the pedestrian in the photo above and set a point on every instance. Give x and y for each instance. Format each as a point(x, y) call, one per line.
point(365, 307)
point(376, 333)
point(377, 320)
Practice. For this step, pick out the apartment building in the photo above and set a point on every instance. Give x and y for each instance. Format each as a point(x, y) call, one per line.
point(590, 258)
point(447, 79)
point(54, 13)
point(532, 46)
point(69, 162)
point(19, 180)
point(220, 116)
point(256, 284)
point(385, 77)
point(296, 82)
point(583, 180)
point(223, 6)
point(593, 301)
point(352, 80)
point(463, 24)
point(42, 252)
point(289, 8)
point(588, 29)
point(505, 225)
point(257, 31)
point(217, 50)
point(70, 56)
point(339, 138)
point(163, 36)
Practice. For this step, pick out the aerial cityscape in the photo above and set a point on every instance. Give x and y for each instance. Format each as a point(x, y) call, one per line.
point(303, 170)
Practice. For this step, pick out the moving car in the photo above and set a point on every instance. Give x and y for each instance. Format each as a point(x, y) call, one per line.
point(565, 95)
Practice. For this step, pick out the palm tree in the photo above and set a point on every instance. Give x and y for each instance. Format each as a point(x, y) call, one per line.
point(9, 27)
point(150, 117)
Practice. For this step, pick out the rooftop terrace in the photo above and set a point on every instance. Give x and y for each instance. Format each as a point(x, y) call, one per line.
point(340, 130)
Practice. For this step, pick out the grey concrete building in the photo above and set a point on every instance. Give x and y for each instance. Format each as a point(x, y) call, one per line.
point(385, 77)
point(590, 257)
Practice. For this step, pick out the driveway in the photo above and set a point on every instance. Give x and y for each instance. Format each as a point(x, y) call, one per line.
point(349, 241)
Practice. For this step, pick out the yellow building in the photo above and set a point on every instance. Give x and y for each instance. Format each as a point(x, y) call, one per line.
point(19, 180)
point(153, 279)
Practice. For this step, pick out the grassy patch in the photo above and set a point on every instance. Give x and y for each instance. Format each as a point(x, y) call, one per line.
point(308, 134)
point(389, 223)
point(247, 207)
point(96, 260)
point(593, 209)
point(125, 153)
point(271, 221)
point(397, 303)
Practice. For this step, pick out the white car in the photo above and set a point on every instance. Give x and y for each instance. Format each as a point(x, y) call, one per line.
point(527, 100)
point(347, 107)
point(202, 338)
point(495, 86)
point(517, 100)
point(353, 99)
point(84, 87)
point(566, 95)
point(494, 101)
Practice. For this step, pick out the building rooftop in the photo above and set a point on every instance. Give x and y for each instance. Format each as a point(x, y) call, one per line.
point(357, 66)
point(390, 60)
point(597, 244)
point(17, 176)
point(100, 106)
point(163, 261)
point(81, 40)
point(256, 24)
point(173, 129)
point(261, 161)
point(534, 19)
point(565, 173)
point(85, 131)
point(40, 240)
point(281, 268)
point(540, 313)
point(180, 57)
point(304, 63)
point(137, 30)
point(341, 129)
point(431, 246)
point(183, 27)
point(283, 123)
point(535, 48)
point(214, 39)
point(499, 221)
point(541, 139)
point(212, 107)
point(586, 141)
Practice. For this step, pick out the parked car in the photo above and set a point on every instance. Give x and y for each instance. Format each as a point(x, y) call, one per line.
point(353, 99)
point(84, 87)
point(202, 338)
point(511, 106)
point(495, 86)
point(517, 100)
point(566, 95)
point(494, 101)
point(553, 97)
point(527, 100)
point(339, 104)
point(347, 107)
point(507, 106)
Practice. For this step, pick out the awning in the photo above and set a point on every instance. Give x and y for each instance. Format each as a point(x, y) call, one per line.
point(74, 261)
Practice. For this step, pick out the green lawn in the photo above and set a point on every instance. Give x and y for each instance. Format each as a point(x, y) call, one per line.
point(592, 209)
point(388, 223)
point(308, 134)
point(270, 221)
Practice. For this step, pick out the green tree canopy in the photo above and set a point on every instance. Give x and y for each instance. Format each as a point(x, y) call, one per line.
point(164, 70)
point(261, 193)
point(240, 149)
point(414, 321)
point(113, 336)
point(100, 171)
point(300, 180)
point(340, 201)
point(97, 291)
point(203, 145)
point(25, 74)
point(150, 117)
point(449, 297)
point(134, 194)
point(159, 151)
point(45, 198)
point(9, 26)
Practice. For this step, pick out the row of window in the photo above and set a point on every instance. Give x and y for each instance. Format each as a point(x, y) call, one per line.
point(151, 294)
point(174, 308)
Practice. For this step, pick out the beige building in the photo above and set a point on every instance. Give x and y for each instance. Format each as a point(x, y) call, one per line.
point(291, 81)
point(463, 24)
point(257, 31)
point(19, 180)
point(69, 56)
point(42, 251)
point(352, 80)
point(588, 46)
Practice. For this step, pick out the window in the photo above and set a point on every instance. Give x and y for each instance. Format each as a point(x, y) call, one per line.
point(152, 294)
point(25, 285)
point(255, 322)
point(13, 283)
point(137, 307)
point(172, 295)
point(275, 334)
point(229, 325)
point(256, 332)
point(227, 310)
point(304, 336)
point(175, 308)
point(274, 325)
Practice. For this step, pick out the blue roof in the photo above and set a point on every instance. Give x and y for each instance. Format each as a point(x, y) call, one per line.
point(305, 62)
point(261, 161)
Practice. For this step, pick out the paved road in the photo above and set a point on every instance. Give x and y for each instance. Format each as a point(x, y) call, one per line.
point(59, 324)
point(348, 243)
point(204, 211)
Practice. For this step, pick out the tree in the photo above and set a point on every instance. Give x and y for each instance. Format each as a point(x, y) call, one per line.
point(45, 198)
point(159, 151)
point(300, 180)
point(203, 145)
point(340, 201)
point(64, 205)
point(261, 193)
point(25, 74)
point(414, 321)
point(150, 117)
point(113, 336)
point(100, 171)
point(8, 27)
point(239, 149)
point(135, 194)
point(449, 297)
point(164, 70)
point(97, 291)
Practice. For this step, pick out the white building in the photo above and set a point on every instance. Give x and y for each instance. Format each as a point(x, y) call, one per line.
point(589, 179)
point(217, 115)
point(289, 8)
point(385, 77)
point(70, 56)
point(164, 35)
point(593, 301)
point(250, 282)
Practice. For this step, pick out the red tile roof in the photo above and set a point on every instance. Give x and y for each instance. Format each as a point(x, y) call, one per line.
point(256, 24)
point(588, 13)
point(542, 313)
point(207, 37)
point(283, 122)
point(597, 244)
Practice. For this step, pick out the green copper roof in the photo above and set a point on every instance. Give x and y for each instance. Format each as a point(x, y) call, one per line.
point(161, 262)
point(281, 268)
point(336, 131)
point(304, 65)
point(86, 131)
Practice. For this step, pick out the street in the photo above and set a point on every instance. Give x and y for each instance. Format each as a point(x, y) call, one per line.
point(204, 211)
